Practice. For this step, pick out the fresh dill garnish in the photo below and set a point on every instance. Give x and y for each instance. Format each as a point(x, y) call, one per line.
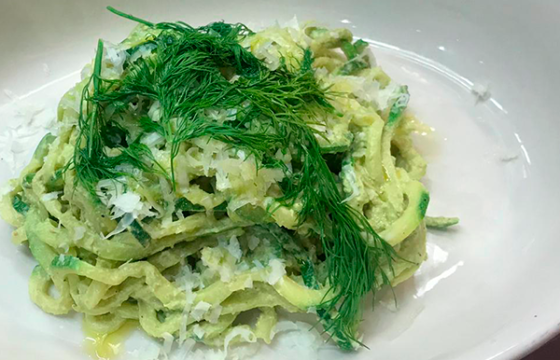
point(192, 70)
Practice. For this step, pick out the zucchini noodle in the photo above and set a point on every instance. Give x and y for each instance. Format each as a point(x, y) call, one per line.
point(186, 234)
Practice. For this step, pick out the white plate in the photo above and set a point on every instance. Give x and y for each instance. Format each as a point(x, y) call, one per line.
point(489, 290)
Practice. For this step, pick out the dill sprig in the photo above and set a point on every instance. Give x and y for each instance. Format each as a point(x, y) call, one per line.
point(192, 70)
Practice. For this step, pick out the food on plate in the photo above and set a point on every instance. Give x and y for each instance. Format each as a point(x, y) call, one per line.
point(198, 173)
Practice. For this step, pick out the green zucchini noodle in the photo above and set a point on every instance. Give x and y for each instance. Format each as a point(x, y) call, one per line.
point(132, 217)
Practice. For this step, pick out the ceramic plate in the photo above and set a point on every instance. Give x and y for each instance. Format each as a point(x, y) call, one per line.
point(489, 289)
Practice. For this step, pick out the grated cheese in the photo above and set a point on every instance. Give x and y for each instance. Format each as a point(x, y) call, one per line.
point(128, 202)
point(168, 340)
point(276, 271)
point(155, 111)
point(50, 196)
point(246, 334)
point(114, 57)
point(214, 314)
point(152, 140)
point(234, 249)
point(298, 339)
point(122, 225)
point(79, 233)
point(200, 309)
point(24, 124)
point(198, 331)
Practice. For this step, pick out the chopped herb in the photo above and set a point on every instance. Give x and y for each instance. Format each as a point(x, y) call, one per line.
point(348, 50)
point(139, 233)
point(185, 205)
point(423, 204)
point(399, 106)
point(65, 261)
point(19, 205)
point(27, 179)
point(353, 66)
point(360, 45)
point(221, 208)
point(352, 52)
point(308, 274)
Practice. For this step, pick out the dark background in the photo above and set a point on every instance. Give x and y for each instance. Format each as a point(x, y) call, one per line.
point(550, 351)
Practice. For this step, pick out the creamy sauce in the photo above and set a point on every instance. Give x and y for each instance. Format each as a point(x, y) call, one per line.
point(107, 346)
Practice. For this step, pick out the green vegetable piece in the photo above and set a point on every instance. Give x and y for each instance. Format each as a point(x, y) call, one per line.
point(412, 216)
point(441, 222)
point(353, 50)
point(423, 204)
point(399, 106)
point(360, 45)
point(27, 179)
point(308, 274)
point(348, 49)
point(353, 66)
point(222, 208)
point(65, 261)
point(335, 149)
point(19, 205)
point(185, 205)
point(139, 233)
